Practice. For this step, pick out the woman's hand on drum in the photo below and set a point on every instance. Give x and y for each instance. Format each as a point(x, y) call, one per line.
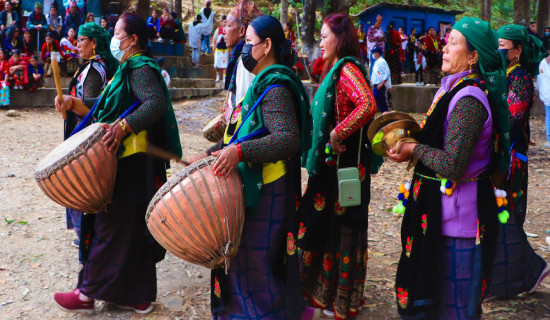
point(227, 161)
point(66, 103)
point(405, 152)
point(113, 137)
point(336, 142)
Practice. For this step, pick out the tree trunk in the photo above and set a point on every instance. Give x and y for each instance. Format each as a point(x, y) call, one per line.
point(177, 7)
point(522, 12)
point(307, 29)
point(284, 11)
point(542, 16)
point(142, 8)
point(341, 6)
point(486, 7)
point(124, 5)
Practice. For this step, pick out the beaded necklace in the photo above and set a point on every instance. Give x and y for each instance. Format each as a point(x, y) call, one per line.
point(470, 76)
point(512, 68)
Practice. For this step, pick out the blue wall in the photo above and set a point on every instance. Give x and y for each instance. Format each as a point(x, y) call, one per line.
point(406, 19)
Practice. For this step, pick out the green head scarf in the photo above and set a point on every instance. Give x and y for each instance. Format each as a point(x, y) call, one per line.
point(492, 67)
point(103, 42)
point(532, 48)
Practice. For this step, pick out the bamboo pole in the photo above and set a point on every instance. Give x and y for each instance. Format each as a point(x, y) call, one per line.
point(57, 77)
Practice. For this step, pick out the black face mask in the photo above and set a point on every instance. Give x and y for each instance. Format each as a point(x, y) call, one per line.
point(504, 53)
point(248, 60)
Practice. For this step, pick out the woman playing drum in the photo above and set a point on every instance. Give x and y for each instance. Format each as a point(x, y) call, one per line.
point(120, 265)
point(263, 280)
point(88, 82)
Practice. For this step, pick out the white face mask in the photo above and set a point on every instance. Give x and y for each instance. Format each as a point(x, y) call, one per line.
point(115, 48)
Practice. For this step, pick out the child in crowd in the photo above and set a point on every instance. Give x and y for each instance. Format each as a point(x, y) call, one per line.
point(27, 50)
point(164, 73)
point(153, 25)
point(35, 74)
point(221, 52)
point(18, 71)
point(4, 75)
point(90, 17)
point(381, 79)
point(69, 51)
point(55, 22)
point(51, 45)
point(167, 27)
point(179, 35)
point(195, 39)
point(419, 64)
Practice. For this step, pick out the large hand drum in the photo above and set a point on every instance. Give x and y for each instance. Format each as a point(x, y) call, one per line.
point(79, 173)
point(199, 217)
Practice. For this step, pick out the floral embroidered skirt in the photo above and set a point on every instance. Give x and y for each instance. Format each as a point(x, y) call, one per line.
point(332, 243)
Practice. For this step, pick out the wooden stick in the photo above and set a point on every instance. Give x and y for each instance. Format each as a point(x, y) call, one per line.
point(160, 153)
point(57, 77)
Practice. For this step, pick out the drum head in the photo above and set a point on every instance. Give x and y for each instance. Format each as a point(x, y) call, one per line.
point(69, 149)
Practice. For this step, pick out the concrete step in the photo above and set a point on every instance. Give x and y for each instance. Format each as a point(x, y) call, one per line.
point(44, 97)
point(177, 61)
point(207, 59)
point(192, 83)
point(201, 72)
point(49, 82)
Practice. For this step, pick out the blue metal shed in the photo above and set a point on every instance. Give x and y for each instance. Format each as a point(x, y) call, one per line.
point(408, 17)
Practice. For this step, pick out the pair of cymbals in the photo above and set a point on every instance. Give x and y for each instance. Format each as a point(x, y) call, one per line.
point(388, 129)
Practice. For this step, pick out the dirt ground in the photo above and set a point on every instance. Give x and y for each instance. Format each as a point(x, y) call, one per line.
point(37, 259)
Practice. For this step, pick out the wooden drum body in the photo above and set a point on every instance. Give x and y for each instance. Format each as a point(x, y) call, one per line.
point(199, 217)
point(80, 173)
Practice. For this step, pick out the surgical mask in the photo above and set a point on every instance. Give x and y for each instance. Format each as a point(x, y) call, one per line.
point(115, 48)
point(248, 60)
point(504, 53)
point(547, 34)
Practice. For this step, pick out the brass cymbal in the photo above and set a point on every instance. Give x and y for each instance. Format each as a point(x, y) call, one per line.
point(390, 134)
point(384, 120)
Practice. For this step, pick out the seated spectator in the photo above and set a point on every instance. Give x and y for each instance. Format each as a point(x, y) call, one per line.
point(69, 51)
point(51, 45)
point(4, 76)
point(55, 23)
point(27, 49)
point(79, 4)
point(35, 74)
point(167, 27)
point(37, 23)
point(72, 20)
point(153, 25)
point(16, 6)
point(13, 41)
point(90, 17)
point(18, 76)
point(179, 34)
point(105, 25)
point(8, 19)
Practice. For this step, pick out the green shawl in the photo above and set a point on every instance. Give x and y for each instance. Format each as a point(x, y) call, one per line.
point(492, 67)
point(532, 48)
point(116, 98)
point(103, 41)
point(251, 173)
point(322, 109)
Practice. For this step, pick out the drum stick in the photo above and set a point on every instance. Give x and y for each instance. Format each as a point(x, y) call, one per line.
point(57, 77)
point(160, 153)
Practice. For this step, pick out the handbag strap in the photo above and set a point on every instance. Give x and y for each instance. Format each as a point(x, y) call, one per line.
point(360, 136)
point(249, 113)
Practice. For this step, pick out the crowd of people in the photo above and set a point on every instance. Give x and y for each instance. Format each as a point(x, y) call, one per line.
point(27, 48)
point(462, 234)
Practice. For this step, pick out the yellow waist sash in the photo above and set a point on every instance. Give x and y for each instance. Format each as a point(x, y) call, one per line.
point(135, 143)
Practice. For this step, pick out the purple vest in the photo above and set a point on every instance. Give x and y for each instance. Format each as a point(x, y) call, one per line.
point(459, 211)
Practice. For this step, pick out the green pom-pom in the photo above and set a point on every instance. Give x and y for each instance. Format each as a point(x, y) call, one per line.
point(444, 182)
point(503, 216)
point(401, 208)
point(327, 150)
point(395, 209)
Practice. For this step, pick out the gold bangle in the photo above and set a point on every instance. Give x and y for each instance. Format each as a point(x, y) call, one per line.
point(122, 126)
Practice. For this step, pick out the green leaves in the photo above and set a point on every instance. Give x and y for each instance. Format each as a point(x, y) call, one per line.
point(10, 221)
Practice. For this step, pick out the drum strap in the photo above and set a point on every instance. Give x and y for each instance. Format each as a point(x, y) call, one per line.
point(84, 123)
point(255, 133)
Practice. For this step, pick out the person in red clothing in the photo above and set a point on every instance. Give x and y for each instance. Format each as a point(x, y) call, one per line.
point(317, 69)
point(394, 53)
point(69, 51)
point(362, 42)
point(18, 70)
point(4, 68)
point(167, 26)
point(432, 47)
point(51, 45)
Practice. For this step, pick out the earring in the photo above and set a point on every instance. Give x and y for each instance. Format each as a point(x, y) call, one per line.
point(94, 51)
point(471, 64)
